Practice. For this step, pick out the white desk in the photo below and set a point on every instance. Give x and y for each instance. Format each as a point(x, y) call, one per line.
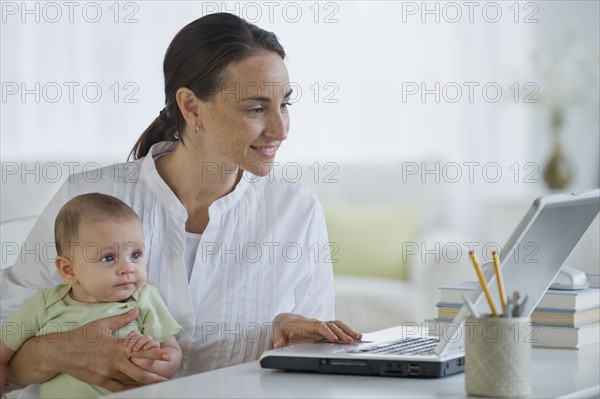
point(556, 373)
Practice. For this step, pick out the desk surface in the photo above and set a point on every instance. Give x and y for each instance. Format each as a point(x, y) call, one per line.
point(556, 373)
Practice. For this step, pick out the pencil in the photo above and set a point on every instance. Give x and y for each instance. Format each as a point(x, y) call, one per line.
point(499, 279)
point(483, 283)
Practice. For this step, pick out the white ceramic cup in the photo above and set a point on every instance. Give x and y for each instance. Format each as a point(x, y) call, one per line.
point(498, 356)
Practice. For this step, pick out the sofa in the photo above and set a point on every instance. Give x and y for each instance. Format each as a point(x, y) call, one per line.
point(380, 224)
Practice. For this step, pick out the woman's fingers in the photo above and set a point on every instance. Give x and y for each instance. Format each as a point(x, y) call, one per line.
point(338, 333)
point(116, 322)
point(289, 328)
point(346, 329)
point(139, 375)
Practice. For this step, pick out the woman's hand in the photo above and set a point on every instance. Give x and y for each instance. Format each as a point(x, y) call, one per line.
point(163, 368)
point(292, 328)
point(89, 353)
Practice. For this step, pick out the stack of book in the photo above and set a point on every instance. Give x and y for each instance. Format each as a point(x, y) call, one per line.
point(562, 319)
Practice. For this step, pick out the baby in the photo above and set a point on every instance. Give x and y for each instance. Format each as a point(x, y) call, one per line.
point(100, 247)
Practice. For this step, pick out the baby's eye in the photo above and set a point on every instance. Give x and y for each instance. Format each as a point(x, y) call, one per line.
point(108, 258)
point(135, 256)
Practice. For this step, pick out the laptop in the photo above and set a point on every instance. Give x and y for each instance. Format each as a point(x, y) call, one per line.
point(530, 261)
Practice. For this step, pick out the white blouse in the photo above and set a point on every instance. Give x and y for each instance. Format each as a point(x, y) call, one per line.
point(265, 251)
point(192, 242)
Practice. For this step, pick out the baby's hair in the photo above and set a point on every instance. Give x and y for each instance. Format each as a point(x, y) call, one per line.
point(93, 206)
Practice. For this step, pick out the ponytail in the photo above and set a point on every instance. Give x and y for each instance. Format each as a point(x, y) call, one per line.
point(161, 129)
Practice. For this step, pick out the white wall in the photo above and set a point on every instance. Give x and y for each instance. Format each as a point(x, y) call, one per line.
point(359, 57)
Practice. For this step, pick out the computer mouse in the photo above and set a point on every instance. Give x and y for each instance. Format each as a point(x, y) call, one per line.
point(569, 278)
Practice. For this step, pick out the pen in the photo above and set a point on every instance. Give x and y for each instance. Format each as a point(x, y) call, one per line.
point(483, 283)
point(471, 307)
point(499, 279)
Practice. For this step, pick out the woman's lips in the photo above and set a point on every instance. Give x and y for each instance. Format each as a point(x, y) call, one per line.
point(268, 152)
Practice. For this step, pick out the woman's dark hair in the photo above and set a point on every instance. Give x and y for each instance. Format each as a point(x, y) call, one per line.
point(196, 59)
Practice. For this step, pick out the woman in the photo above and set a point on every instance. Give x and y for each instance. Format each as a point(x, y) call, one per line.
point(231, 253)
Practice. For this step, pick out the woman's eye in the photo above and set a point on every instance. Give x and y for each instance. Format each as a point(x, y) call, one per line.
point(256, 111)
point(108, 258)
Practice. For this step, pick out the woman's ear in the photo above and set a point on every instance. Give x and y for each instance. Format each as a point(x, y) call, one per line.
point(65, 268)
point(189, 106)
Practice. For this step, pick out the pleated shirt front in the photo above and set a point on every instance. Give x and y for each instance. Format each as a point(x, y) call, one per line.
point(265, 251)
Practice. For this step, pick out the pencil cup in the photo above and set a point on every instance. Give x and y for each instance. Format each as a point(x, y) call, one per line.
point(498, 356)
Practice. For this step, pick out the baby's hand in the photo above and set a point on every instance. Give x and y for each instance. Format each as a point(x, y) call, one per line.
point(136, 342)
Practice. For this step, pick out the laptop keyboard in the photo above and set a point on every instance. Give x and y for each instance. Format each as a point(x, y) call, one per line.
point(409, 346)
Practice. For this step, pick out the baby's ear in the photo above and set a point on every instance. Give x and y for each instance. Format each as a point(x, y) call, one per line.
point(65, 268)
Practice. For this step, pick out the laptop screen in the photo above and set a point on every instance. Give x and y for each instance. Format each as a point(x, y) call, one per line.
point(534, 254)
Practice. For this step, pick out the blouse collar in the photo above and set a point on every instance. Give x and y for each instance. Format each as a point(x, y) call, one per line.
point(157, 185)
point(168, 197)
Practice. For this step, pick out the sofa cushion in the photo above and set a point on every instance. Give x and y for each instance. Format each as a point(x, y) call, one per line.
point(370, 303)
point(368, 240)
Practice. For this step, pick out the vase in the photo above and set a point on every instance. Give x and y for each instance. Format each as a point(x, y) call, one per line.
point(557, 173)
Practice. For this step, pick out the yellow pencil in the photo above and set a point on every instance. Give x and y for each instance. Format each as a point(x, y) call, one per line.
point(483, 283)
point(499, 279)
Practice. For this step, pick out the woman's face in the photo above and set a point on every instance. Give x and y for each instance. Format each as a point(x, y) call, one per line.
point(244, 124)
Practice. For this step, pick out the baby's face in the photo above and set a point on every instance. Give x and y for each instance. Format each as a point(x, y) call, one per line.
point(108, 260)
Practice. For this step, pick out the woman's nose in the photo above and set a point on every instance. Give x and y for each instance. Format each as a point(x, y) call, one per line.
point(278, 127)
